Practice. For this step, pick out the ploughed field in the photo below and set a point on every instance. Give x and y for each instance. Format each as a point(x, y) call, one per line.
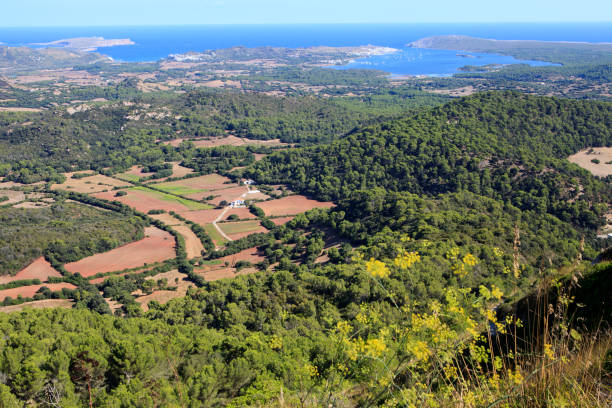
point(227, 141)
point(291, 205)
point(157, 246)
point(31, 290)
point(40, 269)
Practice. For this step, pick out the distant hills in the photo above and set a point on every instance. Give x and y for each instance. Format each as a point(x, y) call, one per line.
point(25, 58)
point(553, 51)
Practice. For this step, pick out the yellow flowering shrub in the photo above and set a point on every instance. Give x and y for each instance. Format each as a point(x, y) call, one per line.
point(377, 268)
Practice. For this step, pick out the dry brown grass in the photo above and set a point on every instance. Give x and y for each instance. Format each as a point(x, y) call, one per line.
point(291, 205)
point(91, 184)
point(174, 278)
point(603, 154)
point(38, 304)
point(228, 141)
point(193, 245)
point(13, 196)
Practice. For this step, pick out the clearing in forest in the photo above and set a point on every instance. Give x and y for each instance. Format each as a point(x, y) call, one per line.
point(228, 141)
point(39, 269)
point(156, 246)
point(90, 184)
point(597, 160)
point(136, 173)
point(225, 267)
point(281, 220)
point(291, 205)
point(38, 304)
point(174, 279)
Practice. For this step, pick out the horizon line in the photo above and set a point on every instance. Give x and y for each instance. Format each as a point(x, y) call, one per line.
point(308, 23)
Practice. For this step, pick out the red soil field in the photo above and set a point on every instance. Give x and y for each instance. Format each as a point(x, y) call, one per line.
point(291, 205)
point(201, 216)
point(30, 291)
point(251, 255)
point(180, 171)
point(242, 213)
point(206, 182)
point(157, 246)
point(281, 220)
point(142, 201)
point(39, 269)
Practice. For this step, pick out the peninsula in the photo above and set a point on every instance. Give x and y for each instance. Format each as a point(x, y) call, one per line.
point(562, 52)
point(87, 44)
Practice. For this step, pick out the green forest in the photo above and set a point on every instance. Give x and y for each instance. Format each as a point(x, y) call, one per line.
point(62, 231)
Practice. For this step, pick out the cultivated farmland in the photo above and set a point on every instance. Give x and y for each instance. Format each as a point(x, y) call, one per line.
point(144, 199)
point(39, 269)
point(291, 205)
point(240, 229)
point(30, 291)
point(157, 246)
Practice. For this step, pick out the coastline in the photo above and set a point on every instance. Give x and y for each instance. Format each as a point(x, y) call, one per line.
point(86, 44)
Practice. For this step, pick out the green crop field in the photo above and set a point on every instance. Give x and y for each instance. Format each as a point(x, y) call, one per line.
point(214, 234)
point(190, 204)
point(238, 227)
point(173, 188)
point(128, 177)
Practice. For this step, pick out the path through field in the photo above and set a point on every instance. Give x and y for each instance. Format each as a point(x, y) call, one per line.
point(225, 210)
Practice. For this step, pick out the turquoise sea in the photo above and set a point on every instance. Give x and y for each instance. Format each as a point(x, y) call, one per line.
point(154, 43)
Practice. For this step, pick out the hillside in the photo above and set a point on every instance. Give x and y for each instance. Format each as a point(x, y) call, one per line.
point(559, 52)
point(441, 219)
point(507, 146)
point(27, 59)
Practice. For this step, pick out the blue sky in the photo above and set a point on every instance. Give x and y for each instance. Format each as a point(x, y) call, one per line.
point(23, 13)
